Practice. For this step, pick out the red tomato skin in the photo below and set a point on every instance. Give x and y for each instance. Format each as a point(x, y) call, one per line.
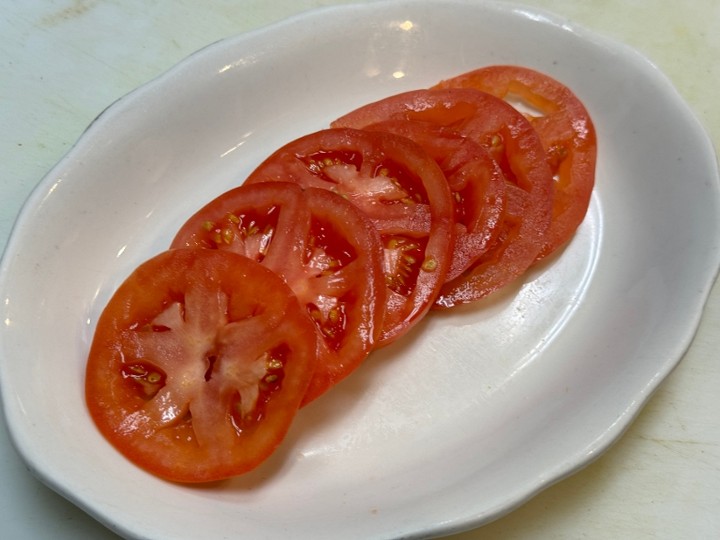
point(356, 282)
point(134, 424)
point(515, 146)
point(357, 158)
point(567, 133)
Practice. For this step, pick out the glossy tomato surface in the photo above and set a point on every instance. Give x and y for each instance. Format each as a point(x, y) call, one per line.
point(516, 148)
point(199, 363)
point(565, 129)
point(403, 192)
point(476, 182)
point(326, 249)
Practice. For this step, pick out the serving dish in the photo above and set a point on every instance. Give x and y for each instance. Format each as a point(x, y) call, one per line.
point(478, 409)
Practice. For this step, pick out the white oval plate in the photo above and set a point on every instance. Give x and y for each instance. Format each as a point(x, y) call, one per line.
point(461, 421)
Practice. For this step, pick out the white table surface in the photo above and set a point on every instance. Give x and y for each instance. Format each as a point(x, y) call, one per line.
point(63, 61)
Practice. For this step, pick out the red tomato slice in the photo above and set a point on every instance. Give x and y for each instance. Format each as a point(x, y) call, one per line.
point(565, 129)
point(324, 248)
point(403, 191)
point(515, 146)
point(198, 365)
point(476, 182)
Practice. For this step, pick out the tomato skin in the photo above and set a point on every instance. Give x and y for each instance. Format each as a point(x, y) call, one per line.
point(565, 129)
point(205, 324)
point(324, 247)
point(403, 192)
point(515, 146)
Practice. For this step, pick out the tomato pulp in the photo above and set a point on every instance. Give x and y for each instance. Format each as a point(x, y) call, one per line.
point(514, 145)
point(403, 192)
point(565, 129)
point(324, 247)
point(198, 365)
point(475, 180)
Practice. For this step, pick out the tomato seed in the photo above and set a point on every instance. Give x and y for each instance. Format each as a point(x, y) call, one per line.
point(429, 264)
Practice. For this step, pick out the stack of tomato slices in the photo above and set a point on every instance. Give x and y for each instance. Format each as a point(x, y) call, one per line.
point(335, 245)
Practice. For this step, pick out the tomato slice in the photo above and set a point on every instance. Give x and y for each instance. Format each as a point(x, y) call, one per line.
point(404, 193)
point(324, 248)
point(515, 146)
point(476, 182)
point(198, 365)
point(565, 129)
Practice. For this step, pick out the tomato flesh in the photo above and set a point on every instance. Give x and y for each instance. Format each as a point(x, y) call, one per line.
point(403, 192)
point(198, 365)
point(565, 130)
point(322, 246)
point(514, 145)
point(475, 180)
